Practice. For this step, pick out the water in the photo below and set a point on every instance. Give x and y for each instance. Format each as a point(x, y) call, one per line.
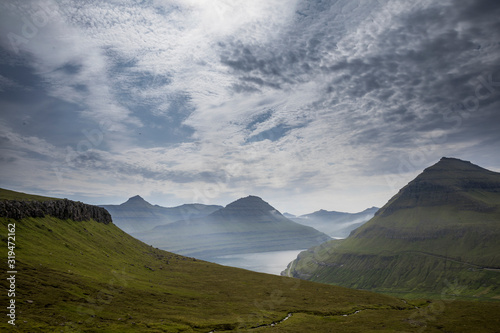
point(265, 262)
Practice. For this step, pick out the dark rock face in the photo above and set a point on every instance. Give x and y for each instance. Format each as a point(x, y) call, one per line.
point(62, 209)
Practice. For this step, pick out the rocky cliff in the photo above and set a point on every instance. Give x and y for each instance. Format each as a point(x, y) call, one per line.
point(62, 209)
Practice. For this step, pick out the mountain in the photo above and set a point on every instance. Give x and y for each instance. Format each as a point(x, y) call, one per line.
point(336, 224)
point(90, 276)
point(439, 231)
point(136, 214)
point(246, 225)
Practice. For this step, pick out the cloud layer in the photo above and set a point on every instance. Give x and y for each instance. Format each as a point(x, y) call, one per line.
point(309, 104)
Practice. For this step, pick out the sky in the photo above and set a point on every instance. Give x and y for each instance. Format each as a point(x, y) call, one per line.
point(308, 104)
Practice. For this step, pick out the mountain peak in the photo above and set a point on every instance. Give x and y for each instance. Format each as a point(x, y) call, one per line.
point(453, 171)
point(250, 208)
point(450, 181)
point(444, 159)
point(454, 163)
point(251, 201)
point(136, 201)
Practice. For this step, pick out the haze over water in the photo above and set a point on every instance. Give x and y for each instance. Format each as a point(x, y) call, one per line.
point(273, 262)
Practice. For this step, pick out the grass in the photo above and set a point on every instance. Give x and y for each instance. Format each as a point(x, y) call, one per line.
point(91, 277)
point(435, 316)
point(399, 268)
point(13, 195)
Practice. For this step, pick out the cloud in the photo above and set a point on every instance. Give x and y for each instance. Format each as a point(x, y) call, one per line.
point(8, 84)
point(299, 98)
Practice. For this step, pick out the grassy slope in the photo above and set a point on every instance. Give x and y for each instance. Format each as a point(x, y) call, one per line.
point(13, 195)
point(406, 270)
point(88, 276)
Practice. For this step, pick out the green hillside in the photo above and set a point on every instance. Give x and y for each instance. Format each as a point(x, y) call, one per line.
point(92, 277)
point(13, 195)
point(441, 229)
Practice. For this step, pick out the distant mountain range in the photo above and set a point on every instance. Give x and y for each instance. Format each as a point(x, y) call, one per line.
point(136, 214)
point(440, 234)
point(244, 226)
point(335, 224)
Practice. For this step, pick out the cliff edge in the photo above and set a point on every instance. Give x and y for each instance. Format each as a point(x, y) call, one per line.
point(62, 209)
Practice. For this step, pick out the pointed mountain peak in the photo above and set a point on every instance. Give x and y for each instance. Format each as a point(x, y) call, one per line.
point(449, 163)
point(136, 198)
point(136, 201)
point(451, 182)
point(452, 171)
point(454, 163)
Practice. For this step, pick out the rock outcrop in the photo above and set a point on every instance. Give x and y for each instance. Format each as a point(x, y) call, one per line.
point(62, 209)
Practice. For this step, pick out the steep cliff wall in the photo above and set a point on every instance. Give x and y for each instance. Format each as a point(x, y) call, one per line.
point(62, 209)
